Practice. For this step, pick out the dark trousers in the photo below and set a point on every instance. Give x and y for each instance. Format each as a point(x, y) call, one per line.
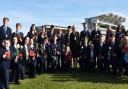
point(4, 74)
point(22, 71)
point(114, 65)
point(16, 72)
point(100, 65)
point(32, 68)
point(55, 64)
point(82, 64)
point(41, 65)
point(107, 65)
point(49, 62)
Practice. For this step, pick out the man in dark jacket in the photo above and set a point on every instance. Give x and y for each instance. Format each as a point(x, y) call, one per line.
point(5, 30)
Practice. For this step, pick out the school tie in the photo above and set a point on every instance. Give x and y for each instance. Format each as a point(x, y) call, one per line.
point(5, 29)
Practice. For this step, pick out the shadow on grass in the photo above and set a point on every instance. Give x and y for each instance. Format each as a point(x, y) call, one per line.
point(79, 76)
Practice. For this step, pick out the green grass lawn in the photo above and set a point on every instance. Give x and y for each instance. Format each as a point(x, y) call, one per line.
point(74, 79)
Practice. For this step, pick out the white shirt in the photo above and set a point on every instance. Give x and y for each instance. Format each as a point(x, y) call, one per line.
point(26, 49)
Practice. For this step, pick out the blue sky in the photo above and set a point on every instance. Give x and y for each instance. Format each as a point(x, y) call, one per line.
point(58, 12)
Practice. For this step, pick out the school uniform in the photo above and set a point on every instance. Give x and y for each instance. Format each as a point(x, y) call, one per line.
point(61, 41)
point(101, 57)
point(32, 61)
point(119, 59)
point(95, 34)
point(16, 71)
point(125, 59)
point(4, 67)
point(113, 57)
point(55, 54)
point(92, 56)
point(41, 59)
point(67, 39)
point(75, 47)
point(67, 60)
point(5, 32)
point(84, 58)
point(25, 60)
point(74, 44)
point(20, 37)
point(83, 34)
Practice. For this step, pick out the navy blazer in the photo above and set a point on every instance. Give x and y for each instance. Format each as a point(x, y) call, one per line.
point(3, 34)
point(84, 33)
point(94, 34)
point(2, 52)
point(40, 39)
point(67, 38)
point(53, 47)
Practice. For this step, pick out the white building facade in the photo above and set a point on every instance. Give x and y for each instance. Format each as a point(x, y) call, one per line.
point(104, 21)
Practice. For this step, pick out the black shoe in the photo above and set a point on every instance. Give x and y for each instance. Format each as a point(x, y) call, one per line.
point(17, 83)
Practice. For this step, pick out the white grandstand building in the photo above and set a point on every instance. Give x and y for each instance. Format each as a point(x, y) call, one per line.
point(103, 21)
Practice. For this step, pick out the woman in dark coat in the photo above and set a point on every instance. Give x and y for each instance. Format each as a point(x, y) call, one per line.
point(74, 45)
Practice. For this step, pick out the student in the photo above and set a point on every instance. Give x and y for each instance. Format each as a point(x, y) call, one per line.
point(5, 30)
point(18, 33)
point(111, 56)
point(108, 33)
point(95, 33)
point(41, 35)
point(55, 53)
point(40, 59)
point(61, 40)
point(51, 33)
point(67, 36)
point(84, 33)
point(92, 55)
point(32, 58)
point(101, 54)
point(68, 58)
point(125, 54)
point(119, 45)
point(16, 70)
point(84, 55)
point(5, 54)
point(43, 52)
point(32, 33)
point(25, 59)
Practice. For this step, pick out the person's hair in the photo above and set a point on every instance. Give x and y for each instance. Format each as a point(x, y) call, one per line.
point(13, 39)
point(7, 39)
point(42, 26)
point(52, 26)
point(69, 27)
point(46, 38)
point(18, 24)
point(25, 38)
point(30, 40)
point(32, 27)
point(5, 18)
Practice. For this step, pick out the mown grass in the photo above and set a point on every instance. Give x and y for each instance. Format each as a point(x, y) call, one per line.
point(74, 79)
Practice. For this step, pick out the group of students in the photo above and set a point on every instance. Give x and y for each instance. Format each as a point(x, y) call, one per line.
point(49, 52)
